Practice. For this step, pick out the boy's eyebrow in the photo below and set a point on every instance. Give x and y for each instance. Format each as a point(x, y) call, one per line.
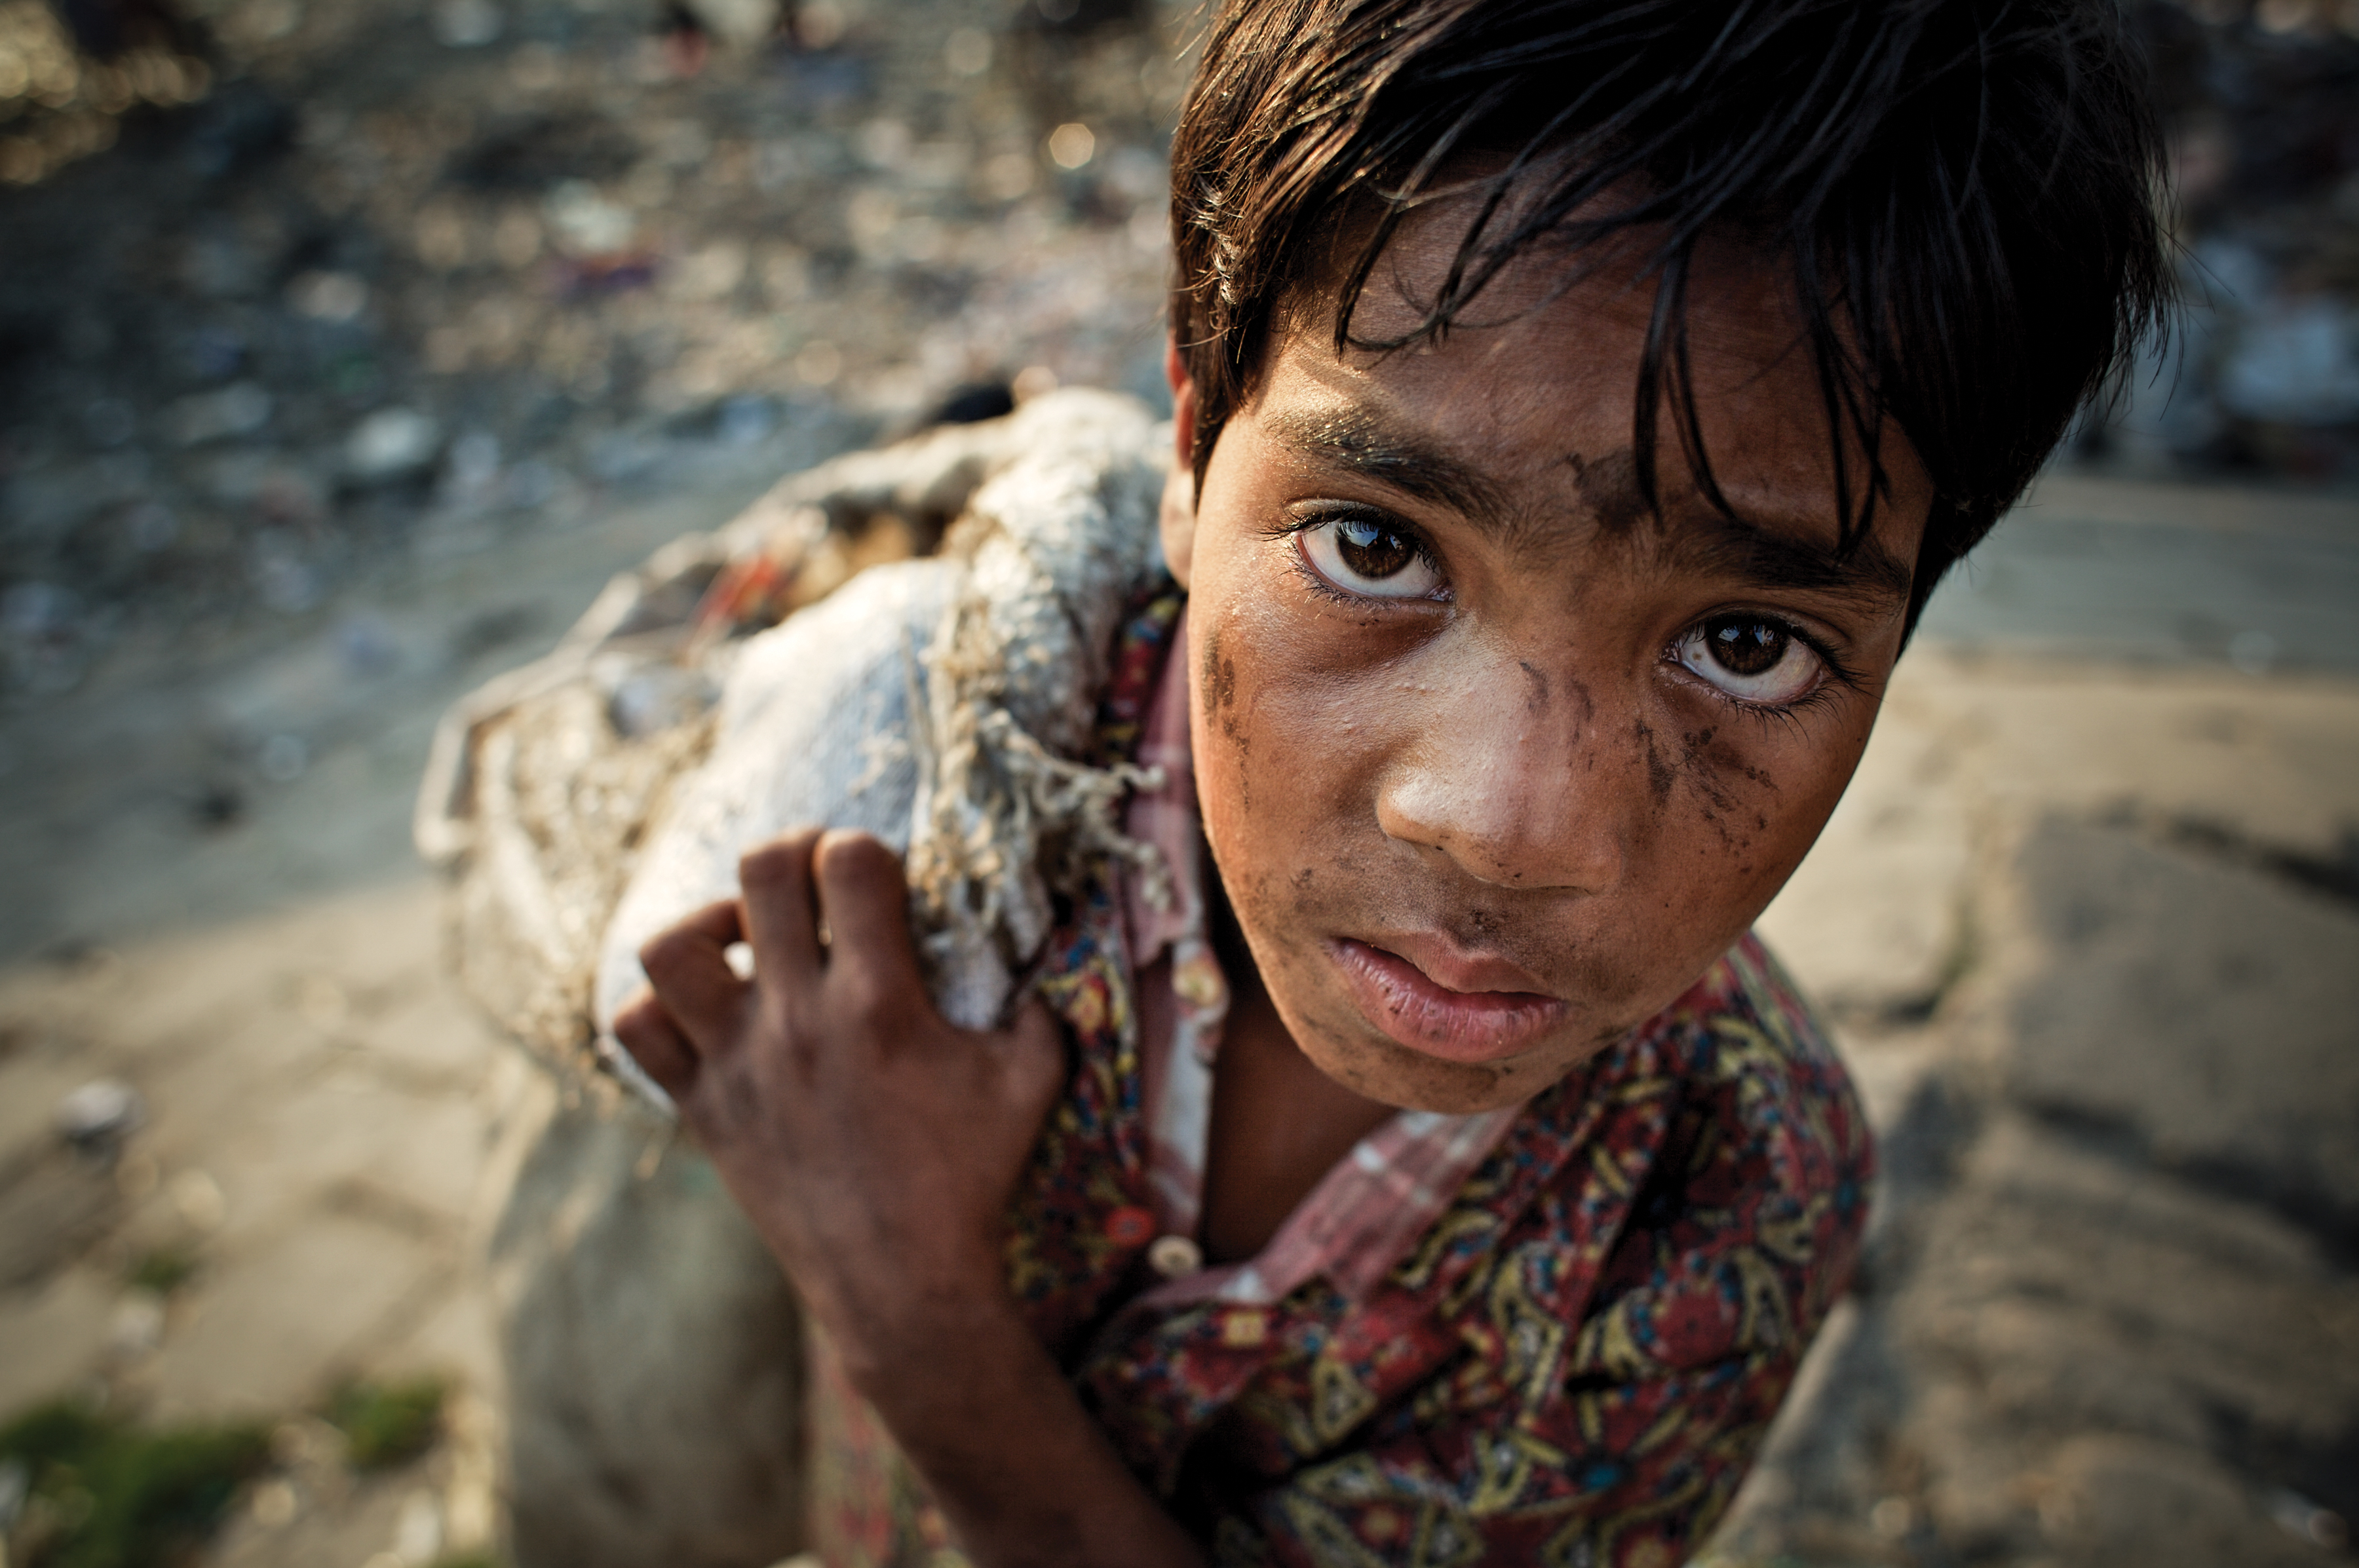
point(1704, 540)
point(1357, 438)
point(1708, 541)
point(1711, 543)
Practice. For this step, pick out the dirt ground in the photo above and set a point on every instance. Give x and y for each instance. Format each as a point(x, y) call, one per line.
point(425, 319)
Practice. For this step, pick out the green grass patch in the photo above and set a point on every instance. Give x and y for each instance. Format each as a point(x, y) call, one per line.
point(107, 1493)
point(386, 1424)
point(162, 1271)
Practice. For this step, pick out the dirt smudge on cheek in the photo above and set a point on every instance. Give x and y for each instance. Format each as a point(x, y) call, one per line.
point(1702, 771)
point(1728, 785)
point(1218, 677)
point(1661, 773)
point(1220, 685)
point(1536, 702)
point(1587, 703)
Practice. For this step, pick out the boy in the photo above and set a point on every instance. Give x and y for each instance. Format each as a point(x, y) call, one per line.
point(1475, 1182)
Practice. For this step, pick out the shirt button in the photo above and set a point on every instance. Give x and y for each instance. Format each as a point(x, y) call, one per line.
point(1172, 1256)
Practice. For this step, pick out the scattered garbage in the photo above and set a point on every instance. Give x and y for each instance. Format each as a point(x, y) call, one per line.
point(328, 296)
point(100, 1115)
point(392, 443)
point(2261, 105)
point(468, 24)
point(2301, 1517)
point(473, 467)
point(368, 646)
point(585, 222)
point(238, 409)
point(514, 253)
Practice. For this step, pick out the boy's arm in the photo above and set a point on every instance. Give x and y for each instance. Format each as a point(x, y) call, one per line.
point(874, 1148)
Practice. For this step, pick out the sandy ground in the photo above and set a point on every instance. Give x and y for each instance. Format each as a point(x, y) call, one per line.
point(2086, 926)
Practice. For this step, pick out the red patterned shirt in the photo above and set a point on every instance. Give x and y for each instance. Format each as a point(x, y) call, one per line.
point(1555, 1336)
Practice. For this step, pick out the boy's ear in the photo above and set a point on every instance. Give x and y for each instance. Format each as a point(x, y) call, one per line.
point(1179, 517)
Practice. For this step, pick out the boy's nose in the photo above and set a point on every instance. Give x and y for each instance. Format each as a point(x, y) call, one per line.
point(1516, 794)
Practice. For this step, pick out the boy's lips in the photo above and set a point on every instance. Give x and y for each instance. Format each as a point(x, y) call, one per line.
point(1403, 1000)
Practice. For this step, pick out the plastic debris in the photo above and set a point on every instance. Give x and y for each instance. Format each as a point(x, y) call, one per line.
point(240, 408)
point(102, 1112)
point(391, 443)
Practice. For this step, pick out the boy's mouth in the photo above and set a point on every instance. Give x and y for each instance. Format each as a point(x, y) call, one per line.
point(1401, 1000)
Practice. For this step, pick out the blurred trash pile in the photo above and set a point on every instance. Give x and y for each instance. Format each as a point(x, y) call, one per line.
point(352, 276)
point(286, 285)
point(68, 76)
point(2261, 101)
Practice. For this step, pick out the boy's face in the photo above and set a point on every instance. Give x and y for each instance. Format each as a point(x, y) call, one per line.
point(1493, 762)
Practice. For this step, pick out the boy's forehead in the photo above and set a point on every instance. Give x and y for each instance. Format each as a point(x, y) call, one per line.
point(1740, 293)
point(1523, 412)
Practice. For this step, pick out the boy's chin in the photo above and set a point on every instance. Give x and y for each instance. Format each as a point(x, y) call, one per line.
point(1371, 1064)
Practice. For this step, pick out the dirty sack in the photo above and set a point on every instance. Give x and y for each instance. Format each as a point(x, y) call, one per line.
point(908, 641)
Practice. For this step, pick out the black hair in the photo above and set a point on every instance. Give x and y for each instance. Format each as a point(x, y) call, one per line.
point(1964, 193)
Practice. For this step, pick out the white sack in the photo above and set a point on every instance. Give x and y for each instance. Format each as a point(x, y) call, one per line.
point(938, 704)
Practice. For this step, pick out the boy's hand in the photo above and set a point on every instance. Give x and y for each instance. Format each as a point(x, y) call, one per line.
point(873, 1145)
point(874, 1148)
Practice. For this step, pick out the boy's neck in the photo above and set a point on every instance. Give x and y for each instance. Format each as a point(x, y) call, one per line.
point(1278, 1123)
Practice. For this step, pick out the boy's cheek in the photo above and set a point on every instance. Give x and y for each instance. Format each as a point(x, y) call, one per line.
point(1281, 714)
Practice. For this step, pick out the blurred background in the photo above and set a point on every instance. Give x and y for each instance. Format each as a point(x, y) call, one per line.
point(346, 346)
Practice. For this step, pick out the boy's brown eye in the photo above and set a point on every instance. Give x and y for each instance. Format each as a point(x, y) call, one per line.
point(1372, 551)
point(1745, 646)
point(1752, 659)
point(1367, 559)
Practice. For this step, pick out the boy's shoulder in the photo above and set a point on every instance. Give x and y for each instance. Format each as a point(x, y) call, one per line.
point(1769, 1109)
point(1758, 1118)
point(1746, 1030)
point(1695, 1193)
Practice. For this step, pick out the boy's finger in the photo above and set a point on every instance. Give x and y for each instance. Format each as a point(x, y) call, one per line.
point(1034, 1044)
point(866, 896)
point(688, 967)
point(663, 1052)
point(782, 909)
